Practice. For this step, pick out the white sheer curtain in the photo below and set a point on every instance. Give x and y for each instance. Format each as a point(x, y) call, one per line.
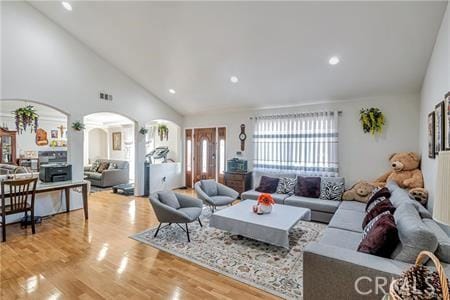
point(304, 143)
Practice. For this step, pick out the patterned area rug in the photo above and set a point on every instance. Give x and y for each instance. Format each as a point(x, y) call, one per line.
point(273, 269)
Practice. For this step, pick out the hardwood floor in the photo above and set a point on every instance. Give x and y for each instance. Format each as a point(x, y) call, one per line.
point(70, 258)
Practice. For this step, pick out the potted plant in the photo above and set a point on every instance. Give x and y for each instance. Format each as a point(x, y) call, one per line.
point(78, 126)
point(26, 117)
point(163, 132)
point(372, 120)
point(143, 131)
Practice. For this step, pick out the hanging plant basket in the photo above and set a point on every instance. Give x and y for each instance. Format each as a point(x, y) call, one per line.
point(78, 126)
point(26, 117)
point(163, 132)
point(372, 120)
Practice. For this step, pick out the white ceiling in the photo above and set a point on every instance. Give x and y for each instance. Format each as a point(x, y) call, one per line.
point(279, 51)
point(107, 119)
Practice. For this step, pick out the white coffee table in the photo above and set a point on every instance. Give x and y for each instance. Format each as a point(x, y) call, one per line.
point(270, 228)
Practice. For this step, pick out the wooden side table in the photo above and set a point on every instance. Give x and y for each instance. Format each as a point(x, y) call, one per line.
point(239, 181)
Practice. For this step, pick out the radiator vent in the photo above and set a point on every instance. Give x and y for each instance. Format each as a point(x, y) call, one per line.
point(106, 97)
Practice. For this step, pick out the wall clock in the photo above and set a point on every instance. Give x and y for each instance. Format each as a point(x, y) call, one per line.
point(242, 137)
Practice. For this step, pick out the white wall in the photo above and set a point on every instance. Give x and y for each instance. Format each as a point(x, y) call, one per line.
point(42, 62)
point(173, 141)
point(98, 144)
point(435, 85)
point(362, 156)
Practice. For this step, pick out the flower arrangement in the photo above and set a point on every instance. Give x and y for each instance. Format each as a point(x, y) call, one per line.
point(78, 126)
point(26, 117)
point(265, 203)
point(266, 199)
point(372, 120)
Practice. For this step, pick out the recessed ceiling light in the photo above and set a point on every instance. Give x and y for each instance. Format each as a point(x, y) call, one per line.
point(334, 60)
point(172, 91)
point(234, 79)
point(67, 5)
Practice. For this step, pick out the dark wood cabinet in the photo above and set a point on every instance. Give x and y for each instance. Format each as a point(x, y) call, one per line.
point(239, 181)
point(7, 146)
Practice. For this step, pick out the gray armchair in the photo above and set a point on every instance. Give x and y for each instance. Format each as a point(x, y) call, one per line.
point(175, 208)
point(215, 194)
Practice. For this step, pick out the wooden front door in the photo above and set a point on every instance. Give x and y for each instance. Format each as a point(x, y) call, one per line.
point(188, 157)
point(205, 154)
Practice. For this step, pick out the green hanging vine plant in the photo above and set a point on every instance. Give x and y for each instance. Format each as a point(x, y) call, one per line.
point(372, 120)
point(163, 132)
point(26, 117)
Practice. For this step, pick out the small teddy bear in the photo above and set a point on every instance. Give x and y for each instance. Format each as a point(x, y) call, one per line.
point(360, 191)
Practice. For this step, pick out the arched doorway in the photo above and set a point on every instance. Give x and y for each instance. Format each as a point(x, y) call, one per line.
point(110, 139)
point(165, 170)
point(43, 140)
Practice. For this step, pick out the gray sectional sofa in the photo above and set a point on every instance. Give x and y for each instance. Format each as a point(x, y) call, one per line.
point(321, 210)
point(334, 269)
point(118, 174)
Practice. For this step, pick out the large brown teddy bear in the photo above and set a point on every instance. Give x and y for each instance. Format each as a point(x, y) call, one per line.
point(406, 173)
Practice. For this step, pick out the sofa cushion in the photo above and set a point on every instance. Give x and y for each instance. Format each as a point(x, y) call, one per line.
point(169, 198)
point(353, 205)
point(94, 166)
point(103, 166)
point(341, 238)
point(378, 195)
point(253, 195)
point(380, 236)
point(313, 204)
point(112, 166)
point(93, 175)
point(209, 186)
point(380, 207)
point(443, 249)
point(286, 185)
point(332, 188)
point(222, 200)
point(268, 185)
point(308, 187)
point(414, 235)
point(399, 196)
point(348, 220)
point(191, 212)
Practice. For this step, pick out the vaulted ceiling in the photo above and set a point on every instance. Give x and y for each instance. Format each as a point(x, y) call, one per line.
point(278, 50)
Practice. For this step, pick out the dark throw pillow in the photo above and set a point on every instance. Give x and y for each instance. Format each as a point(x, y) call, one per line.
point(380, 236)
point(378, 195)
point(308, 187)
point(286, 185)
point(103, 166)
point(380, 207)
point(268, 185)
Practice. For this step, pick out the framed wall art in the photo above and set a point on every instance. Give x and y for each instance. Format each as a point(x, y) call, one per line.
point(117, 141)
point(447, 121)
point(439, 137)
point(431, 148)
